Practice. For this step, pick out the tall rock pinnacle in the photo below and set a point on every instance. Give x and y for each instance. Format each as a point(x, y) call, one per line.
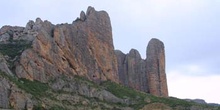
point(156, 68)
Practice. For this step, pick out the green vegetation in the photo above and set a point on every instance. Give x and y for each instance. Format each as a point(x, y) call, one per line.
point(86, 81)
point(126, 93)
point(122, 91)
point(137, 99)
point(38, 107)
point(56, 107)
point(15, 48)
point(141, 98)
point(35, 88)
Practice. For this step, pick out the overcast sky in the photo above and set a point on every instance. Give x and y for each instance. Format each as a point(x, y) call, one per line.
point(190, 30)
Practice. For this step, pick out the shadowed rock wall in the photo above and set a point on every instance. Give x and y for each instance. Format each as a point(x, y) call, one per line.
point(144, 75)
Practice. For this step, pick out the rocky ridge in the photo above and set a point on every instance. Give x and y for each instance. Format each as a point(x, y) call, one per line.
point(83, 48)
point(74, 66)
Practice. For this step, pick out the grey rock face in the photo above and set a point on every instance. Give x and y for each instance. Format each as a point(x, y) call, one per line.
point(82, 88)
point(123, 77)
point(132, 70)
point(82, 16)
point(199, 101)
point(4, 93)
point(3, 66)
point(144, 75)
point(19, 100)
point(10, 33)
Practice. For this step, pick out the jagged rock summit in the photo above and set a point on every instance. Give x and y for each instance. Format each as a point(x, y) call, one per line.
point(71, 49)
point(45, 52)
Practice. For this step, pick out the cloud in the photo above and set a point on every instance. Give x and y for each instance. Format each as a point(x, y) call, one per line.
point(183, 85)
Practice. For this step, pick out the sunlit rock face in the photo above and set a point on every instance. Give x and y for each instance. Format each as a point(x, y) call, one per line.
point(83, 48)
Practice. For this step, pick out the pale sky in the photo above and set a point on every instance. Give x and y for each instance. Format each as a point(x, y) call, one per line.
point(188, 28)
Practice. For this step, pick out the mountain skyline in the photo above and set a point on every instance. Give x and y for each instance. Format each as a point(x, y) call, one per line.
point(189, 30)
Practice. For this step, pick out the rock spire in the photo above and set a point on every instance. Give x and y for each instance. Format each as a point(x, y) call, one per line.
point(156, 68)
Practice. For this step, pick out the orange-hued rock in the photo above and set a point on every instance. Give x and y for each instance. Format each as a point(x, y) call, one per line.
point(157, 81)
point(83, 48)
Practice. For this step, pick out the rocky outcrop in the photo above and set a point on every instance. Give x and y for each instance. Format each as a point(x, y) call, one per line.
point(19, 99)
point(157, 82)
point(144, 75)
point(4, 66)
point(4, 93)
point(84, 48)
point(132, 70)
point(54, 57)
point(81, 87)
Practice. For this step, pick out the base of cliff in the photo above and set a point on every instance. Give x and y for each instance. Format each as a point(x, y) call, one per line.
point(78, 93)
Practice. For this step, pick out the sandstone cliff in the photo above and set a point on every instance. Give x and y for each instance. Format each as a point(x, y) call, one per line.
point(75, 67)
point(156, 68)
point(83, 48)
point(54, 56)
point(132, 70)
point(145, 75)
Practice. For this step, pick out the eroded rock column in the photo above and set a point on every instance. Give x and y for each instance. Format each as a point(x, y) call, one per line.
point(156, 68)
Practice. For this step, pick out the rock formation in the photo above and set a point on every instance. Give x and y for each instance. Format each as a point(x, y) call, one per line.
point(4, 66)
point(156, 68)
point(4, 93)
point(144, 75)
point(83, 48)
point(75, 67)
point(132, 70)
point(42, 52)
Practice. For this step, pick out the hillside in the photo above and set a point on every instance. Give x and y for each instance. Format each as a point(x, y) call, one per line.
point(75, 67)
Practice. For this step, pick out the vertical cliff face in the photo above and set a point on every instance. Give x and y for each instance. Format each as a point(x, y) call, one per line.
point(156, 68)
point(83, 48)
point(144, 75)
point(132, 70)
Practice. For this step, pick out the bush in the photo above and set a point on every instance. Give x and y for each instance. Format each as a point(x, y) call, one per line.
point(15, 48)
point(35, 88)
